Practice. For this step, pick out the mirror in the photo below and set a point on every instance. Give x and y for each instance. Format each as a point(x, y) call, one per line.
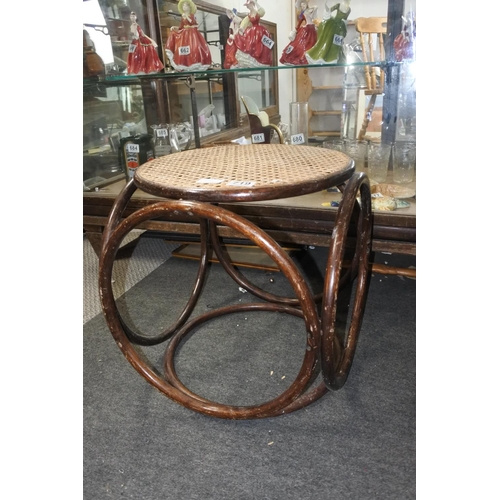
point(260, 85)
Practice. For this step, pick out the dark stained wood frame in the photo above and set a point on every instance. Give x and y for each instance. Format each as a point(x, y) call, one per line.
point(393, 232)
point(324, 347)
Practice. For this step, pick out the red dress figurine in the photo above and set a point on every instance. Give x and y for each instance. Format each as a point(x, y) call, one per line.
point(303, 37)
point(404, 44)
point(254, 43)
point(142, 54)
point(186, 48)
point(230, 60)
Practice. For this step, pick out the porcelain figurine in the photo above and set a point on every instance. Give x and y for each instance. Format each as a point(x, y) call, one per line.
point(254, 45)
point(404, 44)
point(331, 33)
point(230, 60)
point(142, 55)
point(186, 48)
point(303, 37)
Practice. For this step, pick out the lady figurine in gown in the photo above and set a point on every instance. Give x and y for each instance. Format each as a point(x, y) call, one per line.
point(230, 60)
point(142, 54)
point(404, 43)
point(254, 45)
point(303, 37)
point(186, 48)
point(331, 34)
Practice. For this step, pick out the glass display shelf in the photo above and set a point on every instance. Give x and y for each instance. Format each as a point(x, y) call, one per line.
point(125, 79)
point(111, 102)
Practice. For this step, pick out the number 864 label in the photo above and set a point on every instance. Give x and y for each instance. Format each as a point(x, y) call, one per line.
point(132, 148)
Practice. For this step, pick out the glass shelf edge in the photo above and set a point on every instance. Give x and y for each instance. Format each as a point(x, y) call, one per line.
point(137, 79)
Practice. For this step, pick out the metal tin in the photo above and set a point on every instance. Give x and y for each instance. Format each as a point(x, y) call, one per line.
point(134, 151)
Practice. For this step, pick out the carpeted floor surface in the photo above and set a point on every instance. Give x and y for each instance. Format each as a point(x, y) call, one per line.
point(148, 254)
point(356, 443)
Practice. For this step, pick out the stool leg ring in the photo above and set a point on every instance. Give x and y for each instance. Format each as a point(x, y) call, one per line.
point(113, 236)
point(337, 356)
point(240, 278)
point(284, 263)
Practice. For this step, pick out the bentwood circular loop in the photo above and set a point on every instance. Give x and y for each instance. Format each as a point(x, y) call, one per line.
point(285, 264)
point(337, 355)
point(112, 239)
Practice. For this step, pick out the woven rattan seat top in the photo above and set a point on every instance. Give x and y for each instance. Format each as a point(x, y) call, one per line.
point(244, 173)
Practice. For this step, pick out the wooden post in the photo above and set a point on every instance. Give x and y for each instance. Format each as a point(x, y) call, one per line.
point(390, 107)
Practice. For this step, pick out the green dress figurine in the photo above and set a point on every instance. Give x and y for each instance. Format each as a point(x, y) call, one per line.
point(331, 34)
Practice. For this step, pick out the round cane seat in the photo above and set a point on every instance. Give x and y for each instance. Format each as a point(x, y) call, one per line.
point(244, 173)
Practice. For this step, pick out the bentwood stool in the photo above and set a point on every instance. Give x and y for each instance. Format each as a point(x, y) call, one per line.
point(192, 184)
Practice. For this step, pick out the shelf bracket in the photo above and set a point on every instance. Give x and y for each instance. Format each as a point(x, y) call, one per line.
point(191, 84)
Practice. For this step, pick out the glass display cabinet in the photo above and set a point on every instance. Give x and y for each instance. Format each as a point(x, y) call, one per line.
point(204, 106)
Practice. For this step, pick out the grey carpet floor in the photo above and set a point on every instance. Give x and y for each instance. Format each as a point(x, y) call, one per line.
point(356, 443)
point(148, 254)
